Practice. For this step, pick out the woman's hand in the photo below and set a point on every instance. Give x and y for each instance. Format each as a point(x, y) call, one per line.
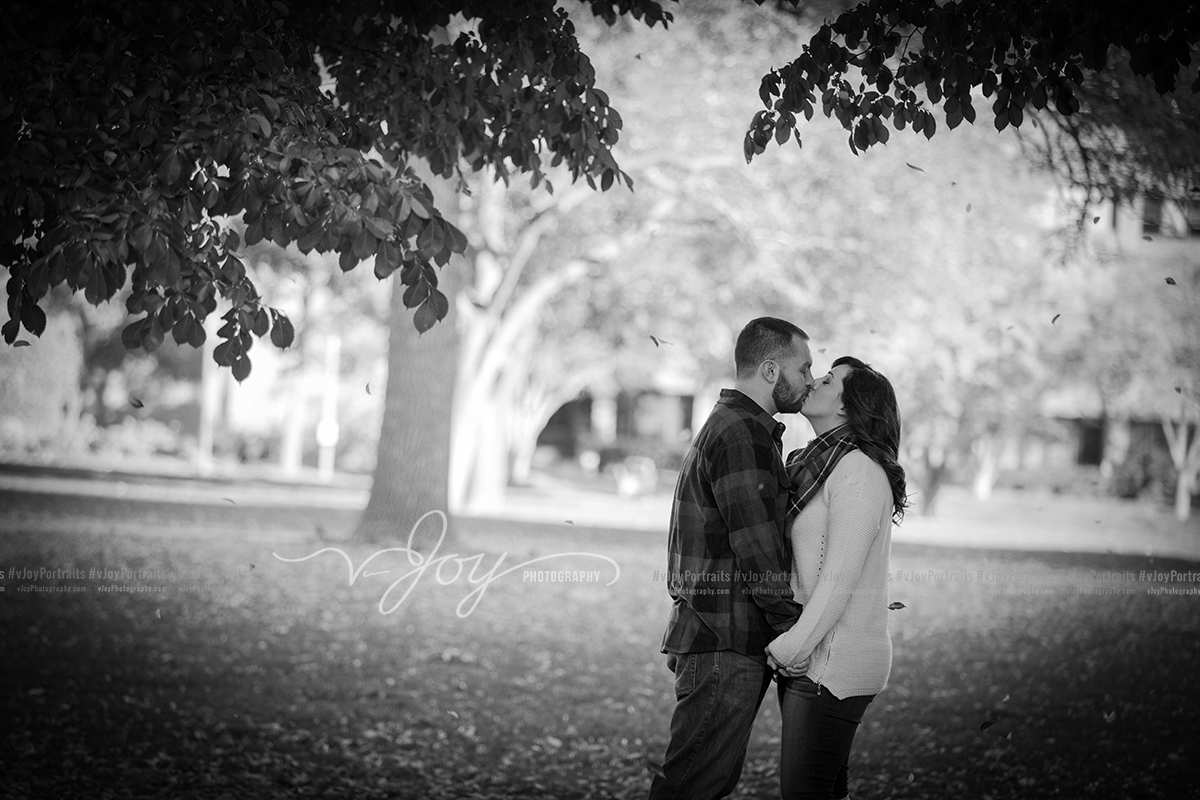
point(796, 670)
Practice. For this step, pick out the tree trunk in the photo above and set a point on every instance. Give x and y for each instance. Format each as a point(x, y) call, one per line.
point(412, 465)
point(295, 426)
point(1183, 495)
point(1187, 463)
point(210, 399)
point(490, 386)
point(931, 480)
point(987, 460)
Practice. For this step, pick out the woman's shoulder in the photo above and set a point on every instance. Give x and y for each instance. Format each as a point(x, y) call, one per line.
point(858, 466)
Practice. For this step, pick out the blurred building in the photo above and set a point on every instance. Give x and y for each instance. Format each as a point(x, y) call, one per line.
point(1123, 436)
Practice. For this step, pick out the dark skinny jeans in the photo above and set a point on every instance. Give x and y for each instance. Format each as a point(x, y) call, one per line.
point(818, 732)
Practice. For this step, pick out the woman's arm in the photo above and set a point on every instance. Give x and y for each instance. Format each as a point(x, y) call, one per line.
point(857, 497)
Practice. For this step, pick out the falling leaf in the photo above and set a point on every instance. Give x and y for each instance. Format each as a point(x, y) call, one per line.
point(368, 388)
point(1148, 238)
point(229, 500)
point(1178, 390)
point(453, 714)
point(1056, 316)
point(569, 522)
point(987, 723)
point(158, 613)
point(1095, 220)
point(896, 606)
point(1110, 716)
point(1170, 281)
point(911, 777)
point(954, 183)
point(638, 56)
point(822, 350)
point(133, 401)
point(968, 208)
point(1005, 700)
point(658, 341)
point(20, 343)
point(910, 166)
point(1010, 327)
point(251, 566)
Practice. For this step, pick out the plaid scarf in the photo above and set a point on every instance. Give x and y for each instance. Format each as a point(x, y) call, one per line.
point(808, 468)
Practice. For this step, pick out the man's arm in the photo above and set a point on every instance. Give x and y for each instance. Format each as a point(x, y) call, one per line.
point(745, 487)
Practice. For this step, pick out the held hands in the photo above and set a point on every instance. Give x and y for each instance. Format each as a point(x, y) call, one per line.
point(796, 670)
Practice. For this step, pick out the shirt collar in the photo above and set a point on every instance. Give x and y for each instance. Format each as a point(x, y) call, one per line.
point(732, 397)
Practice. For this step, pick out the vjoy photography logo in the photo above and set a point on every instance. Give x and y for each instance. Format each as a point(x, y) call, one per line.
point(420, 563)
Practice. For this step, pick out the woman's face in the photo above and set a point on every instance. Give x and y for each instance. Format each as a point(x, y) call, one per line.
point(825, 399)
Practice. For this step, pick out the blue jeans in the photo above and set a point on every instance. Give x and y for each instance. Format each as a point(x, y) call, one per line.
point(717, 696)
point(818, 731)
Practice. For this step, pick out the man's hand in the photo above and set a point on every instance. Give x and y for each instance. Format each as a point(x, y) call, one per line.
point(796, 670)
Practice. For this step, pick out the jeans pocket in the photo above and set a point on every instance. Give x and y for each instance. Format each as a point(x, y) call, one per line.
point(685, 675)
point(802, 686)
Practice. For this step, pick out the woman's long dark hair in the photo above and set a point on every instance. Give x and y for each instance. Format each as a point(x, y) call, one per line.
point(874, 418)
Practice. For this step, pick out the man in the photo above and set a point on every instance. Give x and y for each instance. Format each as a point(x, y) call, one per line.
point(728, 564)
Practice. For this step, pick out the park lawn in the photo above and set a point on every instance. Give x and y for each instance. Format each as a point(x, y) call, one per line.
point(1013, 678)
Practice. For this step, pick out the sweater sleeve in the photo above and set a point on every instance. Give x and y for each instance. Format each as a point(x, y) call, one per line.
point(856, 498)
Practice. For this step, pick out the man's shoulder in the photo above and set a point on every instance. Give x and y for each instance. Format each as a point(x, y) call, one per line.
point(727, 423)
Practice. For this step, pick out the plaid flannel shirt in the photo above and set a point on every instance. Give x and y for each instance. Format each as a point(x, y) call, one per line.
point(729, 560)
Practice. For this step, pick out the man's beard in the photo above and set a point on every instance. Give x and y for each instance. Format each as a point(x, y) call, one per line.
point(788, 399)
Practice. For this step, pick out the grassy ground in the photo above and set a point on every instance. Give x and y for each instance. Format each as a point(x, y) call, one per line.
point(240, 675)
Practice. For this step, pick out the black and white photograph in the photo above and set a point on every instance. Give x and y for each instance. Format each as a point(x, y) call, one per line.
point(600, 399)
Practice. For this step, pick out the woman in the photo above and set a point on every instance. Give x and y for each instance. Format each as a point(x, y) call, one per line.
point(847, 488)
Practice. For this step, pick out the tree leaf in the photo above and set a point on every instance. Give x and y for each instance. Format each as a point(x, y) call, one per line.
point(415, 295)
point(432, 311)
point(33, 318)
point(260, 323)
point(254, 232)
point(241, 369)
point(282, 332)
point(260, 122)
point(131, 335)
point(387, 259)
point(365, 244)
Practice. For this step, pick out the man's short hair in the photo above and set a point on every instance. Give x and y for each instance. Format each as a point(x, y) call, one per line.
point(762, 339)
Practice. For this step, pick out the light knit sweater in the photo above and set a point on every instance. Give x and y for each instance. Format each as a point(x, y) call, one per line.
point(841, 543)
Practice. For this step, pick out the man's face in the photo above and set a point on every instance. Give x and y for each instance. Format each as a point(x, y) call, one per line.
point(795, 378)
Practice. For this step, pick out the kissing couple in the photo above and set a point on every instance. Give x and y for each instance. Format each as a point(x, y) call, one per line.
point(778, 569)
